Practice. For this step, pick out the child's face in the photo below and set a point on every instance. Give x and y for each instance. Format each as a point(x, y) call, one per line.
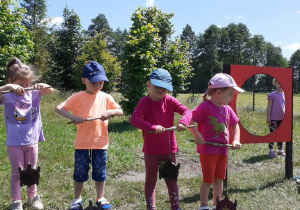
point(277, 85)
point(24, 83)
point(226, 95)
point(156, 93)
point(92, 88)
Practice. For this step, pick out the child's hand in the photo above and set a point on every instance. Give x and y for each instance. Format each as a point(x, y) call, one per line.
point(180, 127)
point(159, 129)
point(39, 86)
point(17, 89)
point(199, 141)
point(77, 120)
point(106, 116)
point(268, 121)
point(236, 144)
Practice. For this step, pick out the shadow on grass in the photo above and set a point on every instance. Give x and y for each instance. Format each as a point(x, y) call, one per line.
point(256, 159)
point(195, 198)
point(190, 199)
point(120, 127)
point(252, 189)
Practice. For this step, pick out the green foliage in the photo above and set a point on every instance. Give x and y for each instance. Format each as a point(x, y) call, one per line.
point(15, 40)
point(232, 44)
point(175, 58)
point(206, 62)
point(65, 48)
point(139, 59)
point(188, 35)
point(100, 25)
point(94, 49)
point(148, 47)
point(34, 21)
point(295, 64)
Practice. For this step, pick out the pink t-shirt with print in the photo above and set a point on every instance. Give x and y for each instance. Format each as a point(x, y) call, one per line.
point(213, 123)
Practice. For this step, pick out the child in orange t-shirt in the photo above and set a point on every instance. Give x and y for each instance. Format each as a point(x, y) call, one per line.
point(91, 140)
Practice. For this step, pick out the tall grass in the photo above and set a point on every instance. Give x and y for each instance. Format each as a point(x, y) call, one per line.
point(255, 180)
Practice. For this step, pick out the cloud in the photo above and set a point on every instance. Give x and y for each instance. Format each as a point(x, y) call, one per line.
point(298, 12)
point(150, 3)
point(240, 17)
point(54, 20)
point(293, 46)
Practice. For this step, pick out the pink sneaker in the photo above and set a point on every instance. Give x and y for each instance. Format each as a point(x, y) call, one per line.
point(272, 153)
point(280, 153)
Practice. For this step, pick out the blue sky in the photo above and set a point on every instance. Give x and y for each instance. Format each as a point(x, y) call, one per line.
point(277, 20)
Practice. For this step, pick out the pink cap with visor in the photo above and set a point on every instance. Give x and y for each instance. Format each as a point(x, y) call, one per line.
point(221, 80)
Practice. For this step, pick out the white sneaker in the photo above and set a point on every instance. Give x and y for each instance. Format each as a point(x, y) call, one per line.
point(36, 202)
point(16, 205)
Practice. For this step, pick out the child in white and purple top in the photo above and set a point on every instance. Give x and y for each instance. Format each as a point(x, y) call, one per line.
point(155, 112)
point(275, 114)
point(23, 126)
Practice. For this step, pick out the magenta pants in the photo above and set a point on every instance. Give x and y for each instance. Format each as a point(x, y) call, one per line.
point(151, 164)
point(19, 157)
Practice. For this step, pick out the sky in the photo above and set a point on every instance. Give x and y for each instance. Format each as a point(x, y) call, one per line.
point(278, 21)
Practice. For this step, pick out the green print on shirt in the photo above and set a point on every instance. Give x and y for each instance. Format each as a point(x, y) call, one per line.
point(218, 127)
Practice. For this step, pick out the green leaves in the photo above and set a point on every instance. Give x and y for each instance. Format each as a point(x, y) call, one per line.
point(15, 40)
point(149, 47)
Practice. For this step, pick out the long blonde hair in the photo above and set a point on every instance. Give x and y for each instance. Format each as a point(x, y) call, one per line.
point(15, 70)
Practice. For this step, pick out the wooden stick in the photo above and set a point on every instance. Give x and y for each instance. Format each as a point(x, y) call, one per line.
point(89, 119)
point(215, 143)
point(173, 128)
point(26, 89)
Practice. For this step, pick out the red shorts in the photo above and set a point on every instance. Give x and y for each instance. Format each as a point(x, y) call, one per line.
point(213, 165)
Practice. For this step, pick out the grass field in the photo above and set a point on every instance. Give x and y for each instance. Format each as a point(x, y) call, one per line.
point(255, 180)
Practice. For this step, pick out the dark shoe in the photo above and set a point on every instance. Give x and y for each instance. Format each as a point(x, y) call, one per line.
point(280, 153)
point(272, 154)
point(104, 204)
point(76, 206)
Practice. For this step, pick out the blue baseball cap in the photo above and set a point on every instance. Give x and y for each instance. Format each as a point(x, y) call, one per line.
point(94, 72)
point(161, 78)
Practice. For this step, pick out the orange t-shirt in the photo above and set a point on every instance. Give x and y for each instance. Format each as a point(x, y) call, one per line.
point(91, 134)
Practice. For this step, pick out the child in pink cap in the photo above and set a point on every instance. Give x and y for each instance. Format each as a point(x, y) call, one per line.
point(214, 118)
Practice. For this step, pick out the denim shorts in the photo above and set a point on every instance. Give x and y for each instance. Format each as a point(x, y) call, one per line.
point(83, 158)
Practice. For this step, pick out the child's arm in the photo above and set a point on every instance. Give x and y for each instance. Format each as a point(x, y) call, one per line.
point(43, 89)
point(17, 89)
point(111, 113)
point(269, 107)
point(235, 129)
point(194, 130)
point(186, 115)
point(63, 112)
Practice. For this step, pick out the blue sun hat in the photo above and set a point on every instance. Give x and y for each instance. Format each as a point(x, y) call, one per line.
point(94, 72)
point(161, 78)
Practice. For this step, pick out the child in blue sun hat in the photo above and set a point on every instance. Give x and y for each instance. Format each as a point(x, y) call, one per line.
point(155, 112)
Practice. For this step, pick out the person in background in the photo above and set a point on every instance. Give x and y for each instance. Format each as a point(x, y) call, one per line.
point(275, 114)
point(215, 118)
point(23, 125)
point(155, 112)
point(92, 139)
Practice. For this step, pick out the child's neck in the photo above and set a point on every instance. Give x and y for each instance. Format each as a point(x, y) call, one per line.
point(279, 90)
point(215, 101)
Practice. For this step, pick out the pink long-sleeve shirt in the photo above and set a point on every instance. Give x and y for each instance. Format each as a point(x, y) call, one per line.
point(148, 114)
